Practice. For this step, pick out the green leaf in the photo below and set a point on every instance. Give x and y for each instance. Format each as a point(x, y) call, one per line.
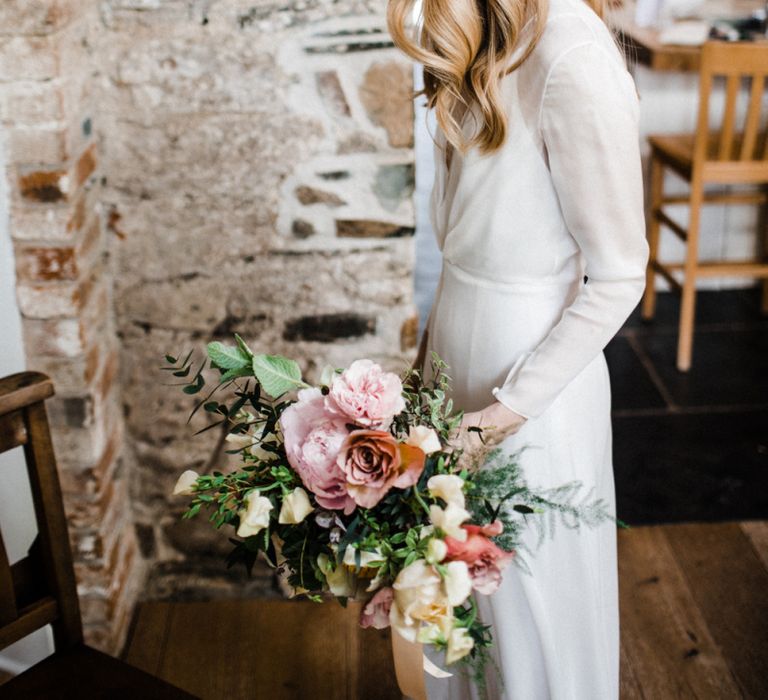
point(226, 356)
point(243, 346)
point(235, 372)
point(277, 374)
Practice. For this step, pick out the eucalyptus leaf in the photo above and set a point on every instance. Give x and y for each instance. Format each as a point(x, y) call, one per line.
point(230, 374)
point(227, 356)
point(277, 374)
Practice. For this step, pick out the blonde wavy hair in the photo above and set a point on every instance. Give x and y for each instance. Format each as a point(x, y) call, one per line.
point(466, 47)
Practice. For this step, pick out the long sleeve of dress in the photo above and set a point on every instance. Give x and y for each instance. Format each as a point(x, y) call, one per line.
point(588, 122)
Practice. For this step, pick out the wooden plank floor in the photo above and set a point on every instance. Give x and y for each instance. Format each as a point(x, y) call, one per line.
point(694, 623)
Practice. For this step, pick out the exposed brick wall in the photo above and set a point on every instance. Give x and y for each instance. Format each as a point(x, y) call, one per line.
point(183, 170)
point(64, 288)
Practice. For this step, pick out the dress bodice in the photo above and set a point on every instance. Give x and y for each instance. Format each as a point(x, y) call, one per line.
point(561, 198)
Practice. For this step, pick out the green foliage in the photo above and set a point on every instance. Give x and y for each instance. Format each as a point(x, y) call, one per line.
point(278, 375)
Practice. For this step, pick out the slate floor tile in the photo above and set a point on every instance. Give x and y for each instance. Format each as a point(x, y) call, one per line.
point(729, 367)
point(691, 467)
point(713, 307)
point(631, 385)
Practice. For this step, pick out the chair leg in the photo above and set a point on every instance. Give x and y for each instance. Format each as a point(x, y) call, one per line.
point(764, 231)
point(648, 309)
point(688, 297)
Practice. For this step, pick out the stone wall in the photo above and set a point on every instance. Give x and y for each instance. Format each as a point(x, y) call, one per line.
point(55, 175)
point(219, 167)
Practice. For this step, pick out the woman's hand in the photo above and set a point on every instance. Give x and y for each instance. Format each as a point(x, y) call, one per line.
point(496, 422)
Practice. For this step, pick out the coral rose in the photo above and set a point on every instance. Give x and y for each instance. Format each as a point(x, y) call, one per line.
point(366, 395)
point(484, 558)
point(313, 438)
point(373, 462)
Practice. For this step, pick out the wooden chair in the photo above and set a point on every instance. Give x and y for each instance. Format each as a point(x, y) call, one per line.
point(726, 156)
point(40, 589)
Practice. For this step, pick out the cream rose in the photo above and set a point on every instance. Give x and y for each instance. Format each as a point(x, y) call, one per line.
point(460, 643)
point(449, 487)
point(255, 516)
point(449, 520)
point(457, 582)
point(252, 444)
point(341, 581)
point(424, 438)
point(295, 508)
point(436, 550)
point(186, 483)
point(419, 598)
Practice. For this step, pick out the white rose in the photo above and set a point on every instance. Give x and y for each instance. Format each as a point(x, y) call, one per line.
point(436, 550)
point(430, 634)
point(252, 444)
point(449, 487)
point(457, 582)
point(350, 557)
point(424, 438)
point(255, 516)
point(240, 440)
point(419, 597)
point(340, 580)
point(449, 520)
point(295, 508)
point(185, 484)
point(460, 643)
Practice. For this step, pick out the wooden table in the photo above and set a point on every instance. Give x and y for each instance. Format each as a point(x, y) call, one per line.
point(642, 43)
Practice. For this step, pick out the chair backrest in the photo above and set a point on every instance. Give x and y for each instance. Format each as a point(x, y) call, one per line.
point(736, 151)
point(39, 589)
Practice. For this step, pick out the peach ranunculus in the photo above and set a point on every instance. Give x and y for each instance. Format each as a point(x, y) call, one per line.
point(485, 558)
point(373, 462)
point(313, 438)
point(366, 395)
point(376, 612)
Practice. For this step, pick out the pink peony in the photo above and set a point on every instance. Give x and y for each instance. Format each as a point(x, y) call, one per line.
point(373, 462)
point(366, 395)
point(484, 558)
point(376, 612)
point(313, 438)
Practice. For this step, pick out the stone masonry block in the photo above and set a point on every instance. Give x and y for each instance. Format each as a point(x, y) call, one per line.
point(60, 299)
point(60, 263)
point(30, 103)
point(38, 17)
point(37, 145)
point(28, 58)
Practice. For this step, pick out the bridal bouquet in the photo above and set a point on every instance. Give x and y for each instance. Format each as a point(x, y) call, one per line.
point(352, 488)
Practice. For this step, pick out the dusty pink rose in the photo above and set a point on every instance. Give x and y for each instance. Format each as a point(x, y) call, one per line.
point(376, 613)
point(373, 462)
point(313, 438)
point(366, 395)
point(485, 559)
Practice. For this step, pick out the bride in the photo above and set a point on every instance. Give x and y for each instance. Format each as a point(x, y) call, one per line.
point(537, 207)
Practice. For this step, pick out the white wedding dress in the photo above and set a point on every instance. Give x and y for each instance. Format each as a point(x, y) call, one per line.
point(515, 321)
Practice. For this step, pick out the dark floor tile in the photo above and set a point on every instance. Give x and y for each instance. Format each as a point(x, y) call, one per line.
point(712, 307)
point(631, 385)
point(683, 467)
point(729, 367)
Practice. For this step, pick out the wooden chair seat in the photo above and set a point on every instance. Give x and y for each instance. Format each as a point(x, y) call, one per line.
point(83, 672)
point(676, 150)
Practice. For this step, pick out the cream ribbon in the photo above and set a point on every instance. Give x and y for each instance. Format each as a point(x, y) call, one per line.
point(410, 664)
